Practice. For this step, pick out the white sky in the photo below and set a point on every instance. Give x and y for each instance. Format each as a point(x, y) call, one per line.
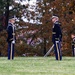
point(31, 2)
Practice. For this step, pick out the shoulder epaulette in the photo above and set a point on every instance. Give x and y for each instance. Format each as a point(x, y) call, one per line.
point(56, 22)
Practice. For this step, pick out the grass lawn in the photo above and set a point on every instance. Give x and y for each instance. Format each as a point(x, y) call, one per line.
point(37, 66)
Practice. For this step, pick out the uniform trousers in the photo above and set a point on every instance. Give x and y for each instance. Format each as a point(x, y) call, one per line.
point(57, 50)
point(10, 51)
point(73, 50)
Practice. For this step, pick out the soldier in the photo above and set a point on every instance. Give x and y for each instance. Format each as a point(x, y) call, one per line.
point(56, 37)
point(11, 37)
point(73, 44)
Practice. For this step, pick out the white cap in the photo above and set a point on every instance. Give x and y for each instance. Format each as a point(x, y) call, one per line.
point(54, 17)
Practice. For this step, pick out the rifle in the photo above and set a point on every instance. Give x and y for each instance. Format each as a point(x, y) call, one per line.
point(13, 41)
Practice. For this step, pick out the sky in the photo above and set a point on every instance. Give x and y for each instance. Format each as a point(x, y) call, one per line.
point(32, 7)
point(31, 2)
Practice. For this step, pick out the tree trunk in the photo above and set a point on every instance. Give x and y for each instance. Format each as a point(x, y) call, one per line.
point(7, 14)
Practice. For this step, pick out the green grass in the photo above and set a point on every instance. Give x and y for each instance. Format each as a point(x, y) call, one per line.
point(37, 66)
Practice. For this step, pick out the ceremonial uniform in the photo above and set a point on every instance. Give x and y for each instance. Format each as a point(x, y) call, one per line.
point(73, 46)
point(56, 39)
point(10, 40)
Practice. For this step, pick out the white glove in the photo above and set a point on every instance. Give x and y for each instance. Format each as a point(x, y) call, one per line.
point(57, 41)
point(13, 41)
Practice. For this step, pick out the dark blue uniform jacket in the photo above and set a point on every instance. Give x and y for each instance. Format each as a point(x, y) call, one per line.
point(56, 32)
point(10, 32)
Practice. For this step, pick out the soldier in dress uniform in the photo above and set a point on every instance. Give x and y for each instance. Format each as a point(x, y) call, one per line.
point(56, 37)
point(11, 37)
point(73, 44)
